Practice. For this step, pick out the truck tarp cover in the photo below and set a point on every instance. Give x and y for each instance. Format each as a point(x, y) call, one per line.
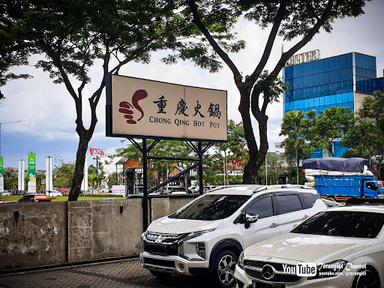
point(336, 164)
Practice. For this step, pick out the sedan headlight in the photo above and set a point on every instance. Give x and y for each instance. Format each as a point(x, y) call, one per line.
point(330, 269)
point(240, 262)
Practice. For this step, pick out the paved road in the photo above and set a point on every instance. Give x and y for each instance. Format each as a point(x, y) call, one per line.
point(126, 273)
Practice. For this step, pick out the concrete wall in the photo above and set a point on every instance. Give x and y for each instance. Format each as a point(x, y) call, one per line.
point(37, 234)
point(104, 229)
point(32, 234)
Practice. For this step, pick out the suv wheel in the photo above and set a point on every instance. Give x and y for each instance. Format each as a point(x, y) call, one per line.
point(369, 279)
point(224, 268)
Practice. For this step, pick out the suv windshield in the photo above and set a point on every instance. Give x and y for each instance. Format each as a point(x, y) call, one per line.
point(212, 207)
point(343, 223)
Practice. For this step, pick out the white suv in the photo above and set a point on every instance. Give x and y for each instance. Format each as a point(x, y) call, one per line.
point(209, 233)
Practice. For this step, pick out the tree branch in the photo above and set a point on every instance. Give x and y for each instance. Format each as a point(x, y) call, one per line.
point(134, 54)
point(286, 55)
point(224, 56)
point(308, 37)
point(271, 39)
point(94, 99)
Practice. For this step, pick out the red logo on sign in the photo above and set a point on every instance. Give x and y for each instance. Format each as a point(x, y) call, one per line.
point(96, 152)
point(129, 109)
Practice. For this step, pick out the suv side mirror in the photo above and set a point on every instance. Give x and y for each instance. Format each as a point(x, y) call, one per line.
point(251, 218)
point(247, 219)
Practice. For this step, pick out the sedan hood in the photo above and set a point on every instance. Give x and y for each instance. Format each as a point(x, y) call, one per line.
point(180, 226)
point(307, 248)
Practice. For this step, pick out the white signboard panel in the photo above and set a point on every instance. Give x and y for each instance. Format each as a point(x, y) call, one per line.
point(146, 108)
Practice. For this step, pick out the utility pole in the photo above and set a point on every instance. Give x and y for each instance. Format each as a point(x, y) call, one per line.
point(5, 123)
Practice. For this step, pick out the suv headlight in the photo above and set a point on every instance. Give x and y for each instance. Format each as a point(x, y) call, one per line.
point(195, 234)
point(240, 262)
point(330, 269)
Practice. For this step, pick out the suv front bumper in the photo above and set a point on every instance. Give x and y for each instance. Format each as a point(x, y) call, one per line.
point(172, 264)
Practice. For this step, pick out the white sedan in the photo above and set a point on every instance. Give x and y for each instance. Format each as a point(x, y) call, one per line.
point(339, 247)
point(55, 193)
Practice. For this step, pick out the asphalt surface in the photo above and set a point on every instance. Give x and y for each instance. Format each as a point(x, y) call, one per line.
point(124, 273)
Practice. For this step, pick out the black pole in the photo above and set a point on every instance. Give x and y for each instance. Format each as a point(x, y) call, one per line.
point(97, 172)
point(145, 186)
point(200, 171)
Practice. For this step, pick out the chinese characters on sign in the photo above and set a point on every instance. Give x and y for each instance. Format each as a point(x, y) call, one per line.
point(161, 104)
point(167, 110)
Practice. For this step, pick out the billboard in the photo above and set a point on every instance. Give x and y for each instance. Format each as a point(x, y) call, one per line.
point(31, 172)
point(146, 108)
point(1, 165)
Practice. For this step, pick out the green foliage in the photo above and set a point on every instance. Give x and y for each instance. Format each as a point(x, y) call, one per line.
point(62, 175)
point(10, 179)
point(213, 165)
point(40, 181)
point(70, 37)
point(306, 132)
point(163, 148)
point(113, 179)
point(13, 51)
point(95, 178)
point(275, 169)
point(289, 19)
point(366, 136)
point(295, 127)
point(325, 128)
point(236, 146)
point(292, 176)
point(300, 16)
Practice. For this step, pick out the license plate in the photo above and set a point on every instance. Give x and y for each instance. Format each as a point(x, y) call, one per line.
point(266, 285)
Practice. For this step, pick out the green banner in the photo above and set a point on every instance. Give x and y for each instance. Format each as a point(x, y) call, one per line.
point(32, 167)
point(1, 165)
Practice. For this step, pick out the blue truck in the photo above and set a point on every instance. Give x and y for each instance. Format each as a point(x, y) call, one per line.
point(342, 187)
point(343, 178)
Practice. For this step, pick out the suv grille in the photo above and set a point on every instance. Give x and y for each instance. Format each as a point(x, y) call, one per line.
point(268, 271)
point(162, 244)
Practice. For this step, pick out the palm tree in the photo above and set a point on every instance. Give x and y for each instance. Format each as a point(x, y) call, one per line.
point(293, 127)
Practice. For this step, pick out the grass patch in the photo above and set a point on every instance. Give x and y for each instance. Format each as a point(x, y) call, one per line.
point(15, 198)
point(11, 198)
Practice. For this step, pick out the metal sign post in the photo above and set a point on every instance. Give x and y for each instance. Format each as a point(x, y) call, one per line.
point(145, 150)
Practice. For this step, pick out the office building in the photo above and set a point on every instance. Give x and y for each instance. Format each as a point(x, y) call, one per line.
point(341, 81)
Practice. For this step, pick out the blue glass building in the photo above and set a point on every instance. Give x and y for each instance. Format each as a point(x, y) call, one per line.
point(341, 81)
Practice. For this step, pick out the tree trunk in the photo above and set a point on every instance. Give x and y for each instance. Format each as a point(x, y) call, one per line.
point(78, 174)
point(250, 169)
point(256, 156)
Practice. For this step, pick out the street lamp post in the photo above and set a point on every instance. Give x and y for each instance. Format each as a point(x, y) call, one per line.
point(5, 123)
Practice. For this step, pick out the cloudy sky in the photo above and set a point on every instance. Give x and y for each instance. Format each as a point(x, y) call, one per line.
point(47, 112)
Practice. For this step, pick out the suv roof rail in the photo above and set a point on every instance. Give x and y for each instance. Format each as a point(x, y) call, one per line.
point(284, 186)
point(259, 189)
point(295, 186)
